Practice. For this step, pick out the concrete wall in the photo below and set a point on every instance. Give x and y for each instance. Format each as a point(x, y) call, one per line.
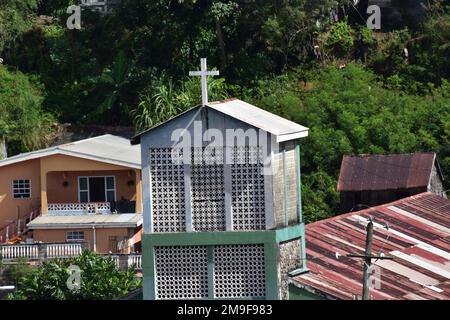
point(58, 193)
point(289, 260)
point(291, 173)
point(161, 137)
point(63, 163)
point(10, 208)
point(436, 185)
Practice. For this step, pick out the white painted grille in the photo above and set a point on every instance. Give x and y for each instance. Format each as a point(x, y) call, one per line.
point(239, 271)
point(247, 196)
point(181, 272)
point(167, 181)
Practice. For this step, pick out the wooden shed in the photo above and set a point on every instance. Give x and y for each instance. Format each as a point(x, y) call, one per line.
point(370, 180)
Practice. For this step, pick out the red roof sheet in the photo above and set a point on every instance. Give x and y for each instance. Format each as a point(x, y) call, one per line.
point(385, 172)
point(418, 238)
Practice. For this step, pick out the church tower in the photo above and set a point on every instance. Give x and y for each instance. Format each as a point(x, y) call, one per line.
point(222, 203)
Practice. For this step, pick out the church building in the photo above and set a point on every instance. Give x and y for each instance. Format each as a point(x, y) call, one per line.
point(222, 203)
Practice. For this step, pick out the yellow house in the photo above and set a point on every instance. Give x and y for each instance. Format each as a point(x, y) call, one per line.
point(89, 190)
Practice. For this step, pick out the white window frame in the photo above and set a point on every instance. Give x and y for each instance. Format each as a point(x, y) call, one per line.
point(75, 240)
point(13, 189)
point(106, 187)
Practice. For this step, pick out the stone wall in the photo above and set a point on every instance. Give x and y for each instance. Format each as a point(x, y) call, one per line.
point(436, 185)
point(289, 260)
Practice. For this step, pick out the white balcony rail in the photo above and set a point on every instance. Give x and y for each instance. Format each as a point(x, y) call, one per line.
point(43, 251)
point(74, 209)
point(63, 250)
point(14, 252)
point(116, 260)
point(135, 260)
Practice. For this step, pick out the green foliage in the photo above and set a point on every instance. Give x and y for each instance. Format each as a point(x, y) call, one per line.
point(14, 20)
point(350, 111)
point(12, 273)
point(23, 123)
point(100, 280)
point(166, 100)
point(366, 36)
point(130, 67)
point(341, 38)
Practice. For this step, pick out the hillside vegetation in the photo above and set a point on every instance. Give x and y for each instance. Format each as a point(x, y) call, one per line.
point(359, 91)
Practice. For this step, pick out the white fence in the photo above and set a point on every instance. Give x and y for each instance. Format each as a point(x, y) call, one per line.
point(14, 252)
point(35, 252)
point(127, 261)
point(135, 260)
point(70, 209)
point(65, 250)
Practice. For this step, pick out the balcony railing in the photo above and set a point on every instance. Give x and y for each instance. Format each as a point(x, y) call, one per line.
point(41, 251)
point(45, 251)
point(75, 209)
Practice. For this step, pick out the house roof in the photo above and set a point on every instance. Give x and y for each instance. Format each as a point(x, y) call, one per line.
point(87, 221)
point(386, 172)
point(106, 148)
point(418, 238)
point(281, 128)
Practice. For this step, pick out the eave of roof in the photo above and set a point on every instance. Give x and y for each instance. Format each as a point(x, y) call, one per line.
point(66, 149)
point(283, 129)
point(418, 238)
point(87, 221)
point(386, 172)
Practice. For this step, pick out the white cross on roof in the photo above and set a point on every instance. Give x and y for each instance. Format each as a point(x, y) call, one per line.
point(204, 73)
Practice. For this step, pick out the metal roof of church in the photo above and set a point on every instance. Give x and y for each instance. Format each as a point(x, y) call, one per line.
point(418, 238)
point(106, 148)
point(386, 172)
point(282, 128)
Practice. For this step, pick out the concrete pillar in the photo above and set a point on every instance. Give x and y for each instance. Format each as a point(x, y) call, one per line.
point(3, 150)
point(138, 191)
point(44, 204)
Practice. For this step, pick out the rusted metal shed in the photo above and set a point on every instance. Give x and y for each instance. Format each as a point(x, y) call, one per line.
point(415, 231)
point(369, 180)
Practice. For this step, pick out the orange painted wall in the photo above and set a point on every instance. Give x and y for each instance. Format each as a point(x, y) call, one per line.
point(10, 206)
point(51, 168)
point(57, 193)
point(102, 236)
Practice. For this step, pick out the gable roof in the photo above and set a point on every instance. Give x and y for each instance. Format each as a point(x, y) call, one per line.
point(107, 148)
point(281, 128)
point(418, 239)
point(386, 172)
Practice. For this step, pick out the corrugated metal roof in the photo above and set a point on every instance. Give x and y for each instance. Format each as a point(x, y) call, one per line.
point(386, 172)
point(418, 238)
point(283, 129)
point(99, 220)
point(107, 148)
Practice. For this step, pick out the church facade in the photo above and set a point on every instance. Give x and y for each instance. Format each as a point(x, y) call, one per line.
point(222, 204)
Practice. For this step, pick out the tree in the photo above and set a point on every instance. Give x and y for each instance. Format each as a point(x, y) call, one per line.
point(23, 123)
point(100, 280)
point(14, 20)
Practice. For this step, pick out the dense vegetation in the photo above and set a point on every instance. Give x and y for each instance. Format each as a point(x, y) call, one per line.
point(100, 280)
point(358, 91)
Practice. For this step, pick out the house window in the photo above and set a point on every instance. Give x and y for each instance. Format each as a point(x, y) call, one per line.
point(97, 189)
point(22, 189)
point(75, 236)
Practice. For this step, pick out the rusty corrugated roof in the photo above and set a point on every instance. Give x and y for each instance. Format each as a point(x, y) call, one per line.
point(386, 172)
point(418, 238)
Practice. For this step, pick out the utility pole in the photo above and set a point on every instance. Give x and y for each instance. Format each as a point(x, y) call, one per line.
point(367, 257)
point(367, 261)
